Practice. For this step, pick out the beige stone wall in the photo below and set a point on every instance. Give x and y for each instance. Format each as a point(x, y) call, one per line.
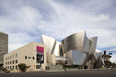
point(34, 48)
point(28, 50)
point(51, 59)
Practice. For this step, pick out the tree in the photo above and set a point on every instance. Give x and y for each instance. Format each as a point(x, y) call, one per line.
point(1, 65)
point(114, 65)
point(108, 64)
point(22, 67)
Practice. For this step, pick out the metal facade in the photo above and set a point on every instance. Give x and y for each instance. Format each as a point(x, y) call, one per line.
point(77, 49)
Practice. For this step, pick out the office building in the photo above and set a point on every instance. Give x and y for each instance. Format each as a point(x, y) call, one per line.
point(3, 46)
point(32, 54)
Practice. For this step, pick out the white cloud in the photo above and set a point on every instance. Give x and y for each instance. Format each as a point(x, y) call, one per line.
point(101, 17)
point(19, 24)
point(23, 19)
point(112, 49)
point(17, 40)
point(12, 47)
point(97, 50)
point(113, 58)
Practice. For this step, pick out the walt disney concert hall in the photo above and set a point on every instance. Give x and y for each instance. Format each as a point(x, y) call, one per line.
point(75, 50)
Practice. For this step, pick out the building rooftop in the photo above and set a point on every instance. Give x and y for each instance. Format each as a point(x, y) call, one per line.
point(107, 56)
point(3, 33)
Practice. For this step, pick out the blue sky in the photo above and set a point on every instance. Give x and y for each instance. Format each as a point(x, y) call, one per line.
point(26, 20)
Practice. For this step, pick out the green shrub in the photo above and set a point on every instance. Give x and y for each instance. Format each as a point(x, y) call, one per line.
point(114, 65)
point(108, 64)
point(22, 67)
point(1, 65)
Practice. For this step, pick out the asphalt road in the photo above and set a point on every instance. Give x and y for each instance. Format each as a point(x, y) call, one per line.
point(78, 73)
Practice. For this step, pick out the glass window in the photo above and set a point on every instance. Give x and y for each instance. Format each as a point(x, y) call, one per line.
point(38, 66)
point(8, 58)
point(8, 67)
point(40, 58)
point(13, 61)
point(33, 58)
point(29, 57)
point(15, 67)
point(16, 61)
point(12, 56)
point(16, 55)
point(10, 62)
point(25, 57)
point(12, 67)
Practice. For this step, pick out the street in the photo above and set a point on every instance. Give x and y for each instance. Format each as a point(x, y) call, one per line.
point(78, 73)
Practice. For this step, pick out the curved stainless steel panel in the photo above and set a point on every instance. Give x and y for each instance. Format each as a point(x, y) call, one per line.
point(98, 55)
point(56, 50)
point(50, 42)
point(74, 42)
point(93, 45)
point(75, 57)
point(86, 45)
point(77, 41)
point(99, 59)
point(53, 46)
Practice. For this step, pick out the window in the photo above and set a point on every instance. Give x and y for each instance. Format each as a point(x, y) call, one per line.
point(38, 66)
point(12, 67)
point(16, 55)
point(29, 57)
point(6, 63)
point(13, 61)
point(25, 57)
point(12, 56)
point(8, 58)
point(33, 58)
point(16, 61)
point(40, 58)
point(10, 62)
point(15, 67)
point(8, 67)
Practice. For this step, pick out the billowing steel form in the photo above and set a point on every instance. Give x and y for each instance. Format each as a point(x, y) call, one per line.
point(77, 49)
point(53, 46)
point(53, 50)
point(93, 45)
point(50, 42)
point(75, 57)
point(99, 59)
point(78, 42)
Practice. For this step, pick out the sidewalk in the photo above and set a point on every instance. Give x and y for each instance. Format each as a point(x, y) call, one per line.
point(53, 71)
point(1, 72)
